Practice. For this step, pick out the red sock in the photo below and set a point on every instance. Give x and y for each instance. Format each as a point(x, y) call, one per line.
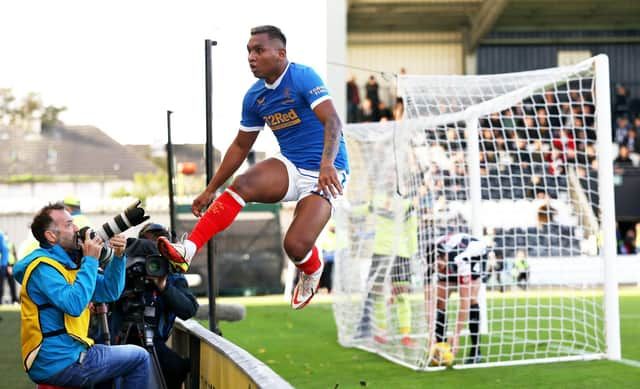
point(221, 213)
point(311, 264)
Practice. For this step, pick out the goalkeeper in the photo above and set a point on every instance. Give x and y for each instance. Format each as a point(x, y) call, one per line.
point(311, 168)
point(395, 242)
point(460, 261)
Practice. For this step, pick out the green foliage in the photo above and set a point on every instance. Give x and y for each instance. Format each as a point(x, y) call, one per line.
point(28, 108)
point(28, 177)
point(6, 103)
point(145, 185)
point(50, 114)
point(30, 104)
point(120, 192)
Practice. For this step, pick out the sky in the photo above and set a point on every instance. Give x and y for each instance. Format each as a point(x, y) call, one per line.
point(120, 65)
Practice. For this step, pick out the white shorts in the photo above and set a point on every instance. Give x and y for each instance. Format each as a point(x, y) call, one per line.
point(303, 183)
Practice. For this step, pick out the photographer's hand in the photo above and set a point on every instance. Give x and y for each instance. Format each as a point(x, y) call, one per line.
point(91, 247)
point(161, 282)
point(119, 244)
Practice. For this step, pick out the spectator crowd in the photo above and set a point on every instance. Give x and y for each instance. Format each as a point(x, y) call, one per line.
point(365, 104)
point(528, 151)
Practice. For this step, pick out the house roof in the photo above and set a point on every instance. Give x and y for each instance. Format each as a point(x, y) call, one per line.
point(68, 151)
point(190, 152)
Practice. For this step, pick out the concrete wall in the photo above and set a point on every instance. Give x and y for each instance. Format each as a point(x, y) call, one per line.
point(418, 53)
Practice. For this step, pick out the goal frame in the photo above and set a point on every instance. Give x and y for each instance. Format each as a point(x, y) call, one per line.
point(470, 116)
point(607, 204)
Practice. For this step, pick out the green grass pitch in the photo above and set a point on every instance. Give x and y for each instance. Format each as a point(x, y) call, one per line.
point(302, 347)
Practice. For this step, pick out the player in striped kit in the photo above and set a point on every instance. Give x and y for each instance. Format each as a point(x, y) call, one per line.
point(460, 261)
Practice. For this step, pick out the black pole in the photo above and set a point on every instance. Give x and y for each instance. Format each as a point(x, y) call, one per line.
point(171, 174)
point(210, 160)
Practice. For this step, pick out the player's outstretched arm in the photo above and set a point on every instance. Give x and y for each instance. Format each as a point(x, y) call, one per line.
point(233, 158)
point(328, 180)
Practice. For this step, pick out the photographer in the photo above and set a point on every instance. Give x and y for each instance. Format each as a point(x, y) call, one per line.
point(58, 281)
point(154, 296)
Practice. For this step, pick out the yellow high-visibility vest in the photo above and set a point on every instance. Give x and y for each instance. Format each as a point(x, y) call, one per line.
point(31, 332)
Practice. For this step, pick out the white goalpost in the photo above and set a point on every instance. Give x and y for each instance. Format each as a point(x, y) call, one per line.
point(523, 162)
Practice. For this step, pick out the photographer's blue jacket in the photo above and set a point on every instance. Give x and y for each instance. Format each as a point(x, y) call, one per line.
point(4, 250)
point(176, 300)
point(46, 285)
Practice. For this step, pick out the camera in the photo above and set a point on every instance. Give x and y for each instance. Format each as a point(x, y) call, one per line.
point(143, 261)
point(106, 253)
point(132, 216)
point(154, 265)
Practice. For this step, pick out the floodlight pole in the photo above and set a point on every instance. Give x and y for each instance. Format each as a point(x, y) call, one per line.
point(171, 175)
point(210, 162)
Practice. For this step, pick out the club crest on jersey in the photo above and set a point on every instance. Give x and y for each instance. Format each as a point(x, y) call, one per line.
point(280, 120)
point(287, 97)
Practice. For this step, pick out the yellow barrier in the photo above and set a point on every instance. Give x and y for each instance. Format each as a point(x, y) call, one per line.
point(217, 363)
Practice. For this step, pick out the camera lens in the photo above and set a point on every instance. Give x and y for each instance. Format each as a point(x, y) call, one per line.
point(156, 266)
point(132, 216)
point(153, 266)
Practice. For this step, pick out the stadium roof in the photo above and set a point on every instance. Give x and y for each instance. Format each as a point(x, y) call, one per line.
point(478, 17)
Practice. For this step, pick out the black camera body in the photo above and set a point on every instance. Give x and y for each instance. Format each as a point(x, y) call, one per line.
point(154, 265)
point(106, 252)
point(143, 261)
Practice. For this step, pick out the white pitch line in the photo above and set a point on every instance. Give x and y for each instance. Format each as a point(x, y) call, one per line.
point(630, 316)
point(629, 362)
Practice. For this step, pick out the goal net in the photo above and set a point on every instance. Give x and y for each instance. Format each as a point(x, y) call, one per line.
point(522, 162)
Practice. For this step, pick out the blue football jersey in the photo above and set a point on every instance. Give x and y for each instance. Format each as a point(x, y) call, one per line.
point(286, 106)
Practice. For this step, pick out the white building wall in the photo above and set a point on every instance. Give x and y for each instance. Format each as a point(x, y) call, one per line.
point(96, 196)
point(418, 53)
point(21, 201)
point(337, 53)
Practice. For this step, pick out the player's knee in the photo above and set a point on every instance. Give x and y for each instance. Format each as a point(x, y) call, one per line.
point(296, 249)
point(242, 186)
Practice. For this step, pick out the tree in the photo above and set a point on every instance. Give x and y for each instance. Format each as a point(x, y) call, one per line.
point(145, 185)
point(30, 109)
point(6, 101)
point(49, 118)
point(30, 106)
